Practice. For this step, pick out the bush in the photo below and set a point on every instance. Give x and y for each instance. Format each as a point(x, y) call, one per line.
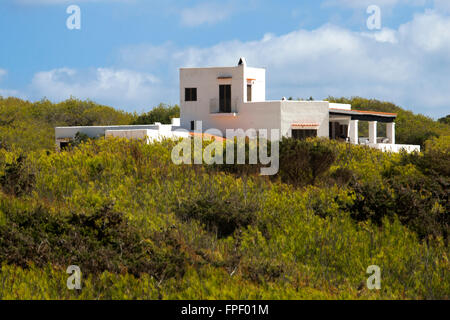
point(16, 179)
point(103, 241)
point(162, 113)
point(221, 215)
point(302, 162)
point(419, 202)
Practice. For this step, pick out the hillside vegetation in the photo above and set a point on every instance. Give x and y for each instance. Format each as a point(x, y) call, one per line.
point(140, 227)
point(30, 126)
point(410, 128)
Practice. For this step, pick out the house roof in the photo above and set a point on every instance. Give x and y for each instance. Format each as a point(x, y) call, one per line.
point(206, 136)
point(365, 115)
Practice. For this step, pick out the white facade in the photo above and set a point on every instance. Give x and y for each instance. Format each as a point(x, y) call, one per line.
point(156, 131)
point(245, 107)
point(248, 106)
point(163, 132)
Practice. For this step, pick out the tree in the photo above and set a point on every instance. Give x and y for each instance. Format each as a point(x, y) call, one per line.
point(302, 162)
point(445, 119)
point(162, 113)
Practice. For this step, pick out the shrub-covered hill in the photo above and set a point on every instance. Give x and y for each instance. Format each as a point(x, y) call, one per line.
point(30, 126)
point(410, 128)
point(141, 227)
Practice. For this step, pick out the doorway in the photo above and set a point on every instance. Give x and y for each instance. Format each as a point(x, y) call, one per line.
point(225, 98)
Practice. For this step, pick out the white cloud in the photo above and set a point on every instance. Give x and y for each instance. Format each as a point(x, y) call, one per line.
point(3, 73)
point(384, 35)
point(205, 13)
point(442, 6)
point(118, 87)
point(11, 93)
point(381, 3)
point(58, 2)
point(428, 31)
point(408, 66)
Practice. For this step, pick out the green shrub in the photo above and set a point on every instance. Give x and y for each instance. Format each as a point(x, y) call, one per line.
point(17, 179)
point(162, 113)
point(220, 215)
point(303, 162)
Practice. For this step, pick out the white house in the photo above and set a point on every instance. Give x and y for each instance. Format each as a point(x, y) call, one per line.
point(156, 131)
point(235, 98)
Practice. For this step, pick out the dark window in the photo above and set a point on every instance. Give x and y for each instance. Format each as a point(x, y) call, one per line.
point(225, 98)
point(190, 94)
point(338, 131)
point(249, 92)
point(343, 130)
point(304, 133)
point(192, 125)
point(64, 145)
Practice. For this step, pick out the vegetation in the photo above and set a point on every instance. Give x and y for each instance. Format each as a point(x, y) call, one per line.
point(30, 126)
point(445, 120)
point(141, 227)
point(162, 113)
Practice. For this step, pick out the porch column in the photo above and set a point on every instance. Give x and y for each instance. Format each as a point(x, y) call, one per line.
point(390, 132)
point(372, 131)
point(353, 131)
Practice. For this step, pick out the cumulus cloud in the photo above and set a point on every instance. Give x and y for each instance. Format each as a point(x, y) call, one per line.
point(384, 35)
point(442, 6)
point(119, 87)
point(205, 13)
point(57, 2)
point(381, 3)
point(408, 65)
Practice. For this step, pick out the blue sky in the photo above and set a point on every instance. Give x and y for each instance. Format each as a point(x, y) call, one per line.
point(127, 52)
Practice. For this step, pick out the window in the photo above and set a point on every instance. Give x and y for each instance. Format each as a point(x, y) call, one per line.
point(64, 145)
point(343, 131)
point(249, 93)
point(225, 98)
point(192, 125)
point(303, 133)
point(190, 94)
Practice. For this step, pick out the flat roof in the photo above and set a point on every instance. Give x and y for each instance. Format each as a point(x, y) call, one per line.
point(125, 126)
point(365, 115)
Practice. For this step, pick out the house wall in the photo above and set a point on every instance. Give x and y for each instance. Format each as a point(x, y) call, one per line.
point(164, 132)
point(304, 111)
point(258, 85)
point(341, 106)
point(254, 115)
point(257, 114)
point(207, 83)
point(95, 131)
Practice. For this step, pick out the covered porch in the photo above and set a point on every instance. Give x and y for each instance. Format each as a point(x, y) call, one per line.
point(344, 125)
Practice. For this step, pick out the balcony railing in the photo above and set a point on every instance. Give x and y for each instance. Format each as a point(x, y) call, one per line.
point(214, 106)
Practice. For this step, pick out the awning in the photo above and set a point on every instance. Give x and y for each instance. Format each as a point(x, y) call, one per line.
point(305, 125)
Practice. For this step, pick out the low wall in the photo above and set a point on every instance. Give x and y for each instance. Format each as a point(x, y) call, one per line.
point(395, 147)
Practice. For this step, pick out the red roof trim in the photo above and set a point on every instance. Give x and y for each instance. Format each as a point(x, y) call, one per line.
point(305, 124)
point(207, 136)
point(364, 111)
